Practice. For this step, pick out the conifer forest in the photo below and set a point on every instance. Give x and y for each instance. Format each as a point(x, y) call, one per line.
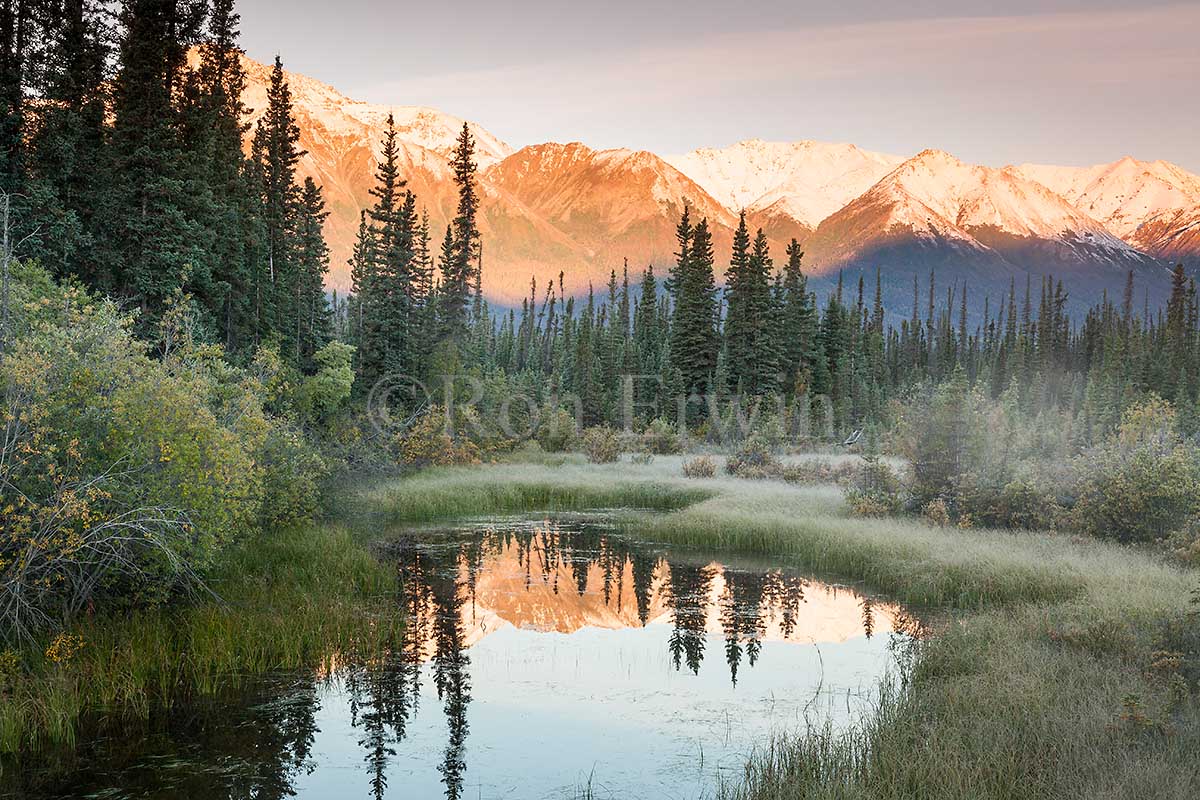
point(349, 451)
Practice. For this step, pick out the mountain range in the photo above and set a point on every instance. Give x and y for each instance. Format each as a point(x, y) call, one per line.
point(556, 209)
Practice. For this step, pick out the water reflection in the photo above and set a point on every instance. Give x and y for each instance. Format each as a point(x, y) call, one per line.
point(570, 649)
point(556, 577)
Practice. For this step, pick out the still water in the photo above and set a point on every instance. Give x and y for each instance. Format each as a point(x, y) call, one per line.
point(542, 658)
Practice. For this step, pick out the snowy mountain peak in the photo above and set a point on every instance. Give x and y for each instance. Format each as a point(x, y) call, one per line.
point(336, 115)
point(1124, 194)
point(805, 180)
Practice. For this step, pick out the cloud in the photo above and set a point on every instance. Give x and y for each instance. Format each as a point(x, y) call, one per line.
point(1127, 61)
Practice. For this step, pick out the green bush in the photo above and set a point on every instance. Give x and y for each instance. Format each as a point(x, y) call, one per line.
point(128, 482)
point(755, 458)
point(430, 441)
point(601, 444)
point(326, 392)
point(292, 476)
point(939, 435)
point(875, 490)
point(1006, 501)
point(661, 438)
point(1143, 484)
point(557, 432)
point(1138, 494)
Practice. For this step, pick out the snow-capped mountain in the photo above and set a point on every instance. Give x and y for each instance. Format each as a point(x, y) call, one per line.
point(973, 223)
point(1173, 235)
point(330, 116)
point(551, 208)
point(545, 209)
point(806, 181)
point(603, 205)
point(1153, 205)
point(1124, 194)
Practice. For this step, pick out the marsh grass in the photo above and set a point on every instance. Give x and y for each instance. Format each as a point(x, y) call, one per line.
point(449, 493)
point(291, 600)
point(1037, 683)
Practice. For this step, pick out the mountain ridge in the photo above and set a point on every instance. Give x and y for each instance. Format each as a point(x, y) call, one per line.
point(567, 209)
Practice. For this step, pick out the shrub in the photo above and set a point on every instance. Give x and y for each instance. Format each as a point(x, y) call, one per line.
point(939, 435)
point(875, 490)
point(557, 431)
point(325, 393)
point(1141, 485)
point(1006, 501)
point(660, 438)
point(1136, 495)
point(936, 512)
point(753, 459)
point(292, 473)
point(699, 467)
point(429, 443)
point(601, 444)
point(129, 484)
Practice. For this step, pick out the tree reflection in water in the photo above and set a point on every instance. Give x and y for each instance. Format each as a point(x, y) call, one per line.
point(558, 577)
point(454, 589)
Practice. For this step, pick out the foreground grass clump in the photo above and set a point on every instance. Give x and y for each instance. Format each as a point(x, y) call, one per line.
point(291, 600)
point(1047, 679)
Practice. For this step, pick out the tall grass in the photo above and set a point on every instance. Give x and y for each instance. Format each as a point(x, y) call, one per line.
point(290, 600)
point(1038, 684)
point(450, 493)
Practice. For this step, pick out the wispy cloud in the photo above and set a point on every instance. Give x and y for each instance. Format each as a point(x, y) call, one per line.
point(1028, 82)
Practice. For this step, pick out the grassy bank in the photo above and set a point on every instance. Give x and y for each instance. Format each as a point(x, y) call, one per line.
point(1044, 684)
point(1040, 684)
point(563, 484)
point(287, 601)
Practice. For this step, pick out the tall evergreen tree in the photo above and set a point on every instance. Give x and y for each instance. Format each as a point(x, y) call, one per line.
point(314, 320)
point(458, 270)
point(276, 146)
point(151, 246)
point(694, 337)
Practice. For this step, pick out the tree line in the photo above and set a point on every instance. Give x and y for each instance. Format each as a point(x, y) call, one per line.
point(128, 168)
point(134, 171)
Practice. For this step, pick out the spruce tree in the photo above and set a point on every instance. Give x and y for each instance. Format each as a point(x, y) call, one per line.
point(314, 320)
point(694, 337)
point(277, 146)
point(457, 270)
point(150, 244)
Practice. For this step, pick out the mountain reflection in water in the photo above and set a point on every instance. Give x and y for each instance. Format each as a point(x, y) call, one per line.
point(554, 577)
point(557, 650)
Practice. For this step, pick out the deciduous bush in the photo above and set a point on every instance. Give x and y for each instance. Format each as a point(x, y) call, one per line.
point(700, 467)
point(601, 444)
point(875, 490)
point(754, 458)
point(430, 441)
point(1139, 491)
point(557, 432)
point(999, 499)
point(661, 438)
point(119, 481)
point(327, 391)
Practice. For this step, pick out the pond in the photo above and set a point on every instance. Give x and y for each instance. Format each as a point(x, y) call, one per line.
point(542, 658)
